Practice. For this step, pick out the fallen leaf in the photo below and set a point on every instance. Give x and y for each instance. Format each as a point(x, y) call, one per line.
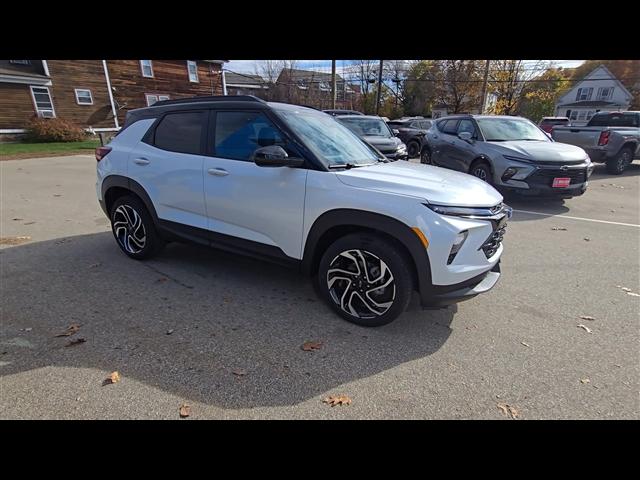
point(185, 410)
point(57, 195)
point(170, 331)
point(77, 341)
point(633, 294)
point(334, 400)
point(17, 219)
point(308, 346)
point(14, 240)
point(587, 239)
point(114, 377)
point(239, 372)
point(616, 365)
point(624, 289)
point(585, 328)
point(525, 344)
point(559, 228)
point(585, 380)
point(29, 223)
point(162, 279)
point(94, 265)
point(586, 317)
point(71, 329)
point(28, 329)
point(507, 410)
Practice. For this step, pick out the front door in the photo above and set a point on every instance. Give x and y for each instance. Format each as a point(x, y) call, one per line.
point(264, 205)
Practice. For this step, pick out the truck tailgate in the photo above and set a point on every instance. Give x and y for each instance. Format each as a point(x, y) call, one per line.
point(585, 137)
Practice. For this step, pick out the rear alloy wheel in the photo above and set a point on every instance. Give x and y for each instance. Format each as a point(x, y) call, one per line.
point(413, 149)
point(365, 279)
point(620, 162)
point(481, 171)
point(133, 228)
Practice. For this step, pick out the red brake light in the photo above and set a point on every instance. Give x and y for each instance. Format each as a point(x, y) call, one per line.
point(604, 138)
point(101, 152)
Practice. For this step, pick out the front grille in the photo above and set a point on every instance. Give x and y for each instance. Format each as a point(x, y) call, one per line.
point(491, 245)
point(545, 176)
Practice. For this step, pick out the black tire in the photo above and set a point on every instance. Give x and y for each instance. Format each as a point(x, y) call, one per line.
point(425, 156)
point(620, 162)
point(384, 261)
point(413, 149)
point(482, 171)
point(133, 228)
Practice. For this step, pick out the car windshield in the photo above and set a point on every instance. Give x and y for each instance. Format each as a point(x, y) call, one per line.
point(367, 127)
point(507, 129)
point(328, 139)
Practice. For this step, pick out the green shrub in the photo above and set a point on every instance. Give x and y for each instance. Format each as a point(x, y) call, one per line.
point(53, 130)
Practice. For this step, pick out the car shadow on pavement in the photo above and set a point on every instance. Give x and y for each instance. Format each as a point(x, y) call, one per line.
point(202, 324)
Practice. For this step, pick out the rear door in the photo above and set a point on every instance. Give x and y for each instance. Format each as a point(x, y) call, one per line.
point(264, 205)
point(168, 164)
point(444, 137)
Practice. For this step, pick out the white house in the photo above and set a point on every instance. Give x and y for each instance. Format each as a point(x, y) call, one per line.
point(598, 91)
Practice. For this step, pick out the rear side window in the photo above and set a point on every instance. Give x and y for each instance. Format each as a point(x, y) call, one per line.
point(615, 120)
point(239, 134)
point(180, 132)
point(448, 126)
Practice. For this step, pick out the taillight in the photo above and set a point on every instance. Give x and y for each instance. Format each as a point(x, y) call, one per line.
point(604, 138)
point(101, 152)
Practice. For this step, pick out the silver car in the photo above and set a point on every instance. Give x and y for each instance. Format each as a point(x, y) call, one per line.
point(510, 153)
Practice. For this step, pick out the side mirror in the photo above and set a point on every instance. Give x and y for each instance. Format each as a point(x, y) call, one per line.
point(275, 156)
point(466, 136)
point(396, 132)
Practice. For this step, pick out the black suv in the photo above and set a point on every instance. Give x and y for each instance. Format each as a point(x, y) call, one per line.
point(412, 132)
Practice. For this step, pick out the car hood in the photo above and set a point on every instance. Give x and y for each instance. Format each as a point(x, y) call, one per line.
point(383, 143)
point(540, 151)
point(432, 184)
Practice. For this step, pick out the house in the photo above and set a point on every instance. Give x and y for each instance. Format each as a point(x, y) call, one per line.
point(96, 94)
point(598, 91)
point(246, 84)
point(312, 88)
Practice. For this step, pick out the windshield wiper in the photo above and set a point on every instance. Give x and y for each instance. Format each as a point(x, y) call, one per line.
point(348, 166)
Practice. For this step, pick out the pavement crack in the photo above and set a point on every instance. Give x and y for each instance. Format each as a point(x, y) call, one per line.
point(173, 279)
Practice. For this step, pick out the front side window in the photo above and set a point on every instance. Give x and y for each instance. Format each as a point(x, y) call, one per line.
point(180, 132)
point(467, 126)
point(192, 68)
point(147, 68)
point(83, 96)
point(239, 134)
point(510, 129)
point(332, 142)
point(42, 102)
point(449, 126)
point(367, 127)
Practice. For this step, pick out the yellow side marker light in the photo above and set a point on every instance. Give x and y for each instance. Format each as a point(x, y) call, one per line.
point(421, 236)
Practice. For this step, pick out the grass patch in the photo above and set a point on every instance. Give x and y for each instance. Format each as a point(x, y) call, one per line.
point(10, 151)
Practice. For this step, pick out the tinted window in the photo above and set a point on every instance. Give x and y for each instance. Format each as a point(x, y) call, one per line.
point(239, 134)
point(467, 126)
point(558, 121)
point(448, 126)
point(615, 120)
point(180, 132)
point(426, 124)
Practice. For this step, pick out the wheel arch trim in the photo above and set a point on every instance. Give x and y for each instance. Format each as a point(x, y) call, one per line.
point(128, 184)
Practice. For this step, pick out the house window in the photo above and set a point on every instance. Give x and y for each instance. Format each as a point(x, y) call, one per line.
point(605, 93)
point(147, 68)
point(21, 62)
point(153, 98)
point(584, 94)
point(42, 101)
point(325, 87)
point(192, 67)
point(83, 96)
point(574, 115)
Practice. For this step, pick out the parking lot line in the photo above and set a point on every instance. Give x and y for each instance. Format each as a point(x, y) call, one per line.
point(577, 218)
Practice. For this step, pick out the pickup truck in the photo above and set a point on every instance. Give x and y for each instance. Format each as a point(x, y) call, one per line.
point(609, 137)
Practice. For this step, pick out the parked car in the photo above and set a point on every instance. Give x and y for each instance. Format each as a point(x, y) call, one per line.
point(375, 131)
point(547, 123)
point(412, 131)
point(510, 153)
point(292, 185)
point(609, 137)
point(342, 112)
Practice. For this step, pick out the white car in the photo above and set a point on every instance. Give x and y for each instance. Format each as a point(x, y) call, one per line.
point(292, 185)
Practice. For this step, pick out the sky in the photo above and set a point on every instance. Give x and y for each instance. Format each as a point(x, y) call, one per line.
point(249, 66)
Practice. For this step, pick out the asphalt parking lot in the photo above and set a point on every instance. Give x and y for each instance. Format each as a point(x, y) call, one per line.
point(223, 333)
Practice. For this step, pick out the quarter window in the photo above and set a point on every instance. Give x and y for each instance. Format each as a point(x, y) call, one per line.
point(180, 132)
point(192, 67)
point(147, 68)
point(83, 96)
point(239, 134)
point(42, 101)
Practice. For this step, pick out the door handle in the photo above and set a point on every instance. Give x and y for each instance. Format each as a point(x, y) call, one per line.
point(218, 172)
point(141, 161)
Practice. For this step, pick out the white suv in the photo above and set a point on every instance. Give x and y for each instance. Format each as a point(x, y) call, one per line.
point(292, 185)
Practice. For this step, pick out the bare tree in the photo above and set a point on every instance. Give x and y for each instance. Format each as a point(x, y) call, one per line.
point(507, 81)
point(458, 84)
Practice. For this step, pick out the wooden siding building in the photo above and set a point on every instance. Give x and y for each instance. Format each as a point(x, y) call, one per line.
point(96, 94)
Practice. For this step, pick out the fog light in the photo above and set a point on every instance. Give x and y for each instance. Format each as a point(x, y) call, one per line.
point(508, 173)
point(457, 245)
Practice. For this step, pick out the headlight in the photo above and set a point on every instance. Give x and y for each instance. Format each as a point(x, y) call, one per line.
point(480, 213)
point(402, 147)
point(457, 245)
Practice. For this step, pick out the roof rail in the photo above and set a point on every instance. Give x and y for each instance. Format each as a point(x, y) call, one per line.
point(212, 98)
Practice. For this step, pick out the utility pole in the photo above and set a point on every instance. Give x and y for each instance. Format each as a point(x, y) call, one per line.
point(334, 89)
point(379, 87)
point(484, 86)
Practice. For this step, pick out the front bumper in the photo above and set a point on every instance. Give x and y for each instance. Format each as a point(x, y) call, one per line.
point(441, 296)
point(540, 181)
point(396, 155)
